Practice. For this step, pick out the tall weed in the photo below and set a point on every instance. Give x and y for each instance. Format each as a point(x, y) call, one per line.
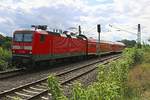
point(5, 58)
point(111, 80)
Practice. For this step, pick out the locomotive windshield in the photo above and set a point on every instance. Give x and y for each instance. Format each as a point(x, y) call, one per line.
point(27, 37)
point(23, 36)
point(18, 37)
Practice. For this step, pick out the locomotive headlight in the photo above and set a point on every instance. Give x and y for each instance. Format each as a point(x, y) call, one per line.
point(30, 52)
point(13, 51)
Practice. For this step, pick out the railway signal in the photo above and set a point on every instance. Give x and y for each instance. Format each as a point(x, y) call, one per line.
point(79, 30)
point(99, 31)
point(139, 36)
point(99, 28)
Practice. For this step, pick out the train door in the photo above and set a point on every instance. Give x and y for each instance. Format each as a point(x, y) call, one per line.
point(41, 47)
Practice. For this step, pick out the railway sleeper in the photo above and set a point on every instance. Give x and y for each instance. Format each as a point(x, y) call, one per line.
point(22, 94)
point(47, 97)
point(29, 91)
point(42, 86)
point(39, 89)
point(9, 97)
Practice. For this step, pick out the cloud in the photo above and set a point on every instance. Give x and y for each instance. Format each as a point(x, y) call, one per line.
point(141, 14)
point(16, 14)
point(26, 13)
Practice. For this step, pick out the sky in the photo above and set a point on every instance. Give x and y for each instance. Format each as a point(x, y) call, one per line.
point(121, 14)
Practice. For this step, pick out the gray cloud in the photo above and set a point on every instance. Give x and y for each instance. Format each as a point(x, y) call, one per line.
point(16, 14)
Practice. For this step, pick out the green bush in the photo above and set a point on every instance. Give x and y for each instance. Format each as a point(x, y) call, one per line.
point(5, 54)
point(111, 80)
point(133, 55)
point(146, 49)
point(7, 43)
point(3, 65)
point(5, 58)
point(54, 88)
point(78, 93)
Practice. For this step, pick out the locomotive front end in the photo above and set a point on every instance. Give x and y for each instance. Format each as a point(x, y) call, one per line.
point(22, 47)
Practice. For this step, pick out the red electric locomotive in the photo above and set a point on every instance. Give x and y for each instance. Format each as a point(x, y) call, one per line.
point(32, 46)
point(39, 45)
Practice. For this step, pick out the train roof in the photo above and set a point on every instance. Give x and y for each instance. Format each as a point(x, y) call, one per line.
point(109, 42)
point(62, 33)
point(104, 41)
point(101, 41)
point(119, 43)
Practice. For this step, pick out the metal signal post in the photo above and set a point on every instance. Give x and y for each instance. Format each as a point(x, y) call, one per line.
point(139, 36)
point(79, 30)
point(99, 31)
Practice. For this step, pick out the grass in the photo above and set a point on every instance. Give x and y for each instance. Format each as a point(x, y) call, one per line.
point(139, 79)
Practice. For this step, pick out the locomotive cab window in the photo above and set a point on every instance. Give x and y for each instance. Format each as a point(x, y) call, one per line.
point(23, 36)
point(27, 38)
point(42, 38)
point(18, 37)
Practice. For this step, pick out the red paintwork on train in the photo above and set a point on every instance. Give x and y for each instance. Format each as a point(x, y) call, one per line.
point(21, 50)
point(41, 48)
point(91, 47)
point(56, 46)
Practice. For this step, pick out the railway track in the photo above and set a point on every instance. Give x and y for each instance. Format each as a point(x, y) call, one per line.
point(11, 73)
point(38, 89)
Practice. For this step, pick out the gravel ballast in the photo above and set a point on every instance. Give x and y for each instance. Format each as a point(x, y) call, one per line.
point(30, 77)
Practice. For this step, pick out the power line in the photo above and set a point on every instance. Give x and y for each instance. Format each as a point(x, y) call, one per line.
point(91, 29)
point(138, 33)
point(120, 29)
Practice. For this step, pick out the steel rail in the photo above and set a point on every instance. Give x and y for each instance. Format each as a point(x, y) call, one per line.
point(44, 80)
point(10, 73)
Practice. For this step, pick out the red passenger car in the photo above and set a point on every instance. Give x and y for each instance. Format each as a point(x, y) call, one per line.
point(118, 47)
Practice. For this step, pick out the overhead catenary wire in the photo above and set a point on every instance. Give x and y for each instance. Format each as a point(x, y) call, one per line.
point(133, 33)
point(121, 29)
point(91, 29)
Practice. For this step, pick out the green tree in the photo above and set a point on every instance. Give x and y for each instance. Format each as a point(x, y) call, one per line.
point(7, 42)
point(128, 43)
